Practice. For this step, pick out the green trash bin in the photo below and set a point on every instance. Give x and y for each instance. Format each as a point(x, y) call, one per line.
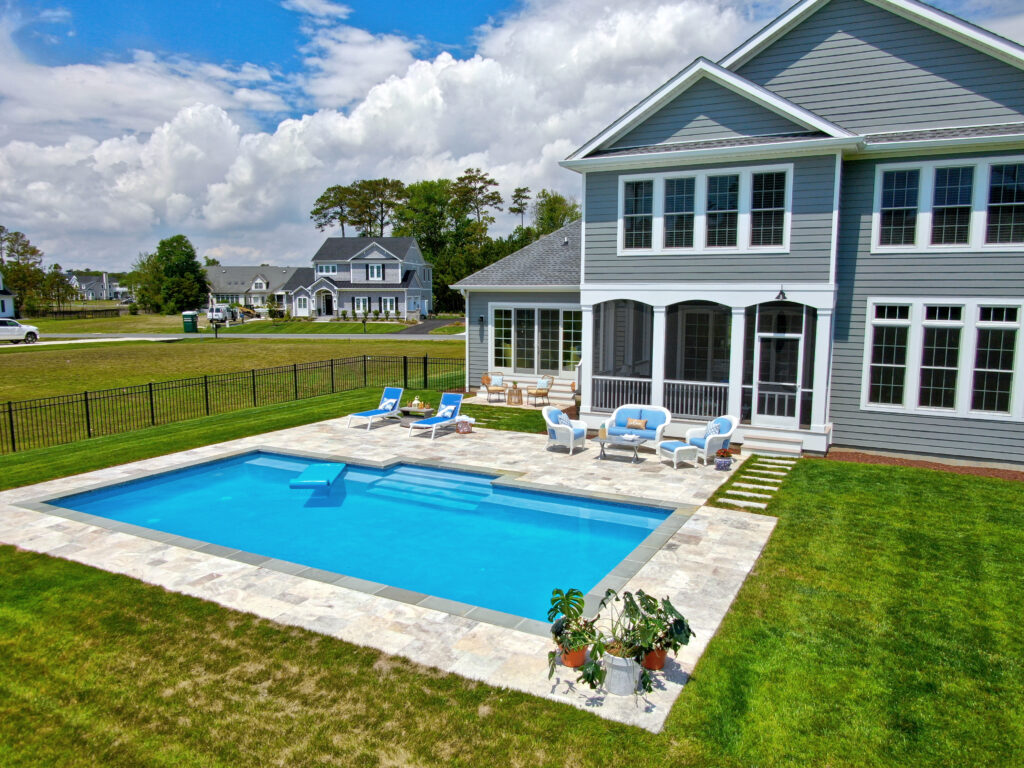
point(190, 321)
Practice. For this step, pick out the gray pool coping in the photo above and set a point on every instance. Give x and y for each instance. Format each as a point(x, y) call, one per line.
point(615, 579)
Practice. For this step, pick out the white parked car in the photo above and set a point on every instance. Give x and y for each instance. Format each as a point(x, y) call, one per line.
point(15, 332)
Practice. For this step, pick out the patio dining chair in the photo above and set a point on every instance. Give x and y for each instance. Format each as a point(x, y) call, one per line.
point(540, 390)
point(495, 386)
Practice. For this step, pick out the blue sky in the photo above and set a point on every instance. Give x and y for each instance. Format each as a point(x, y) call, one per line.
point(124, 122)
point(261, 31)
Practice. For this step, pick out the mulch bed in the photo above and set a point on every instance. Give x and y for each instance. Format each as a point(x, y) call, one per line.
point(838, 454)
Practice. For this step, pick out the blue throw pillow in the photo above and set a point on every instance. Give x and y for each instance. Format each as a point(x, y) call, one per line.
point(712, 429)
point(564, 420)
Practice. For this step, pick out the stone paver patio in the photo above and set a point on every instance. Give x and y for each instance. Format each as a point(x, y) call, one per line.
point(700, 558)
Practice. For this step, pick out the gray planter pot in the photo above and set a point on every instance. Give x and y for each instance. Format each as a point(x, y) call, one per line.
point(623, 675)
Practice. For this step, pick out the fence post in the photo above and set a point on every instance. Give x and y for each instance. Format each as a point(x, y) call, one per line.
point(364, 371)
point(10, 421)
point(88, 419)
point(333, 390)
point(295, 379)
point(405, 371)
point(426, 372)
point(206, 393)
point(152, 408)
point(253, 387)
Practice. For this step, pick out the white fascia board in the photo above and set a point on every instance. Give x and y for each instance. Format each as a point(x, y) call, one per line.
point(919, 13)
point(515, 288)
point(380, 247)
point(691, 156)
point(821, 296)
point(327, 285)
point(958, 144)
point(702, 68)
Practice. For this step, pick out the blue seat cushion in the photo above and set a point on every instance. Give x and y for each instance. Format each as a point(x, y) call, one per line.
point(577, 433)
point(672, 445)
point(654, 418)
point(623, 414)
point(649, 434)
point(699, 442)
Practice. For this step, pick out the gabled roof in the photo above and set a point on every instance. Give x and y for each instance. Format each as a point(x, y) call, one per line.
point(932, 18)
point(240, 279)
point(345, 248)
point(700, 69)
point(307, 279)
point(551, 261)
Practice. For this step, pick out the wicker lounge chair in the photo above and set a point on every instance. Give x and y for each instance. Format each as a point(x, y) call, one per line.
point(541, 390)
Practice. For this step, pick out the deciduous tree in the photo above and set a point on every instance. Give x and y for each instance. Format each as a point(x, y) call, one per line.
point(333, 208)
point(373, 203)
point(478, 193)
point(552, 211)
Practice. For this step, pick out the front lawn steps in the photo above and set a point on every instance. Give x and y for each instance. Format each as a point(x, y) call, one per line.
point(754, 483)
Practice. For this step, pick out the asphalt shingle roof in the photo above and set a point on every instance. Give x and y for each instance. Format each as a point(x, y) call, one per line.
point(552, 260)
point(968, 131)
point(305, 277)
point(338, 248)
point(240, 279)
point(737, 141)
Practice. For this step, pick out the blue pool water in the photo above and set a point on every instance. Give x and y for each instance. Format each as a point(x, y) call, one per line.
point(439, 532)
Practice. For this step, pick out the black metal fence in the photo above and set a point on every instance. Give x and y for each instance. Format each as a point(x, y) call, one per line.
point(76, 314)
point(49, 421)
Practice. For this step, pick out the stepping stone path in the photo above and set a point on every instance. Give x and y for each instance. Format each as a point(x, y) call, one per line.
point(761, 478)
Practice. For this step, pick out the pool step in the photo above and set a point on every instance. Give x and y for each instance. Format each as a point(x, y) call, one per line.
point(413, 496)
point(429, 489)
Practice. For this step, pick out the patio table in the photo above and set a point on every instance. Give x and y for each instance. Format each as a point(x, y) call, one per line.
point(617, 441)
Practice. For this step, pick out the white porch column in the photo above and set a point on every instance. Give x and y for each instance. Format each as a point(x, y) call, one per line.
point(586, 367)
point(822, 369)
point(739, 323)
point(658, 357)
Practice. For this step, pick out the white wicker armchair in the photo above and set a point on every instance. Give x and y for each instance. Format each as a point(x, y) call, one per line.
point(572, 435)
point(708, 446)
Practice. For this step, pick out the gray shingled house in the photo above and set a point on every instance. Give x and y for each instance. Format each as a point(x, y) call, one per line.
point(822, 233)
point(354, 275)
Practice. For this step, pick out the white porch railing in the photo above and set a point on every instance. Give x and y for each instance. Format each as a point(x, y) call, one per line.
point(696, 399)
point(612, 391)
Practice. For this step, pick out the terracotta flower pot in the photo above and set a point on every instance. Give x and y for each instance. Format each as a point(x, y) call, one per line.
point(574, 658)
point(655, 659)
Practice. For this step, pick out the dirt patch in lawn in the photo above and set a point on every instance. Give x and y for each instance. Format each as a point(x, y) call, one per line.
point(901, 461)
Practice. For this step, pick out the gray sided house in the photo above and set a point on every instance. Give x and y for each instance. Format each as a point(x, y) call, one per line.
point(362, 276)
point(249, 286)
point(822, 233)
point(6, 300)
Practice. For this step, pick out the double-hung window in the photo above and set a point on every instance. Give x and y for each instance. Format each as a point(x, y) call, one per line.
point(361, 305)
point(327, 269)
point(638, 214)
point(952, 205)
point(374, 271)
point(387, 304)
point(741, 210)
point(959, 357)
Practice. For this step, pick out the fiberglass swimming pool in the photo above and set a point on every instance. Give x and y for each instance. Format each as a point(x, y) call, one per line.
point(439, 532)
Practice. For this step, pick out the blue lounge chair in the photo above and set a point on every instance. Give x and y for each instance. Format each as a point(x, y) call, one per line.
point(447, 412)
point(389, 404)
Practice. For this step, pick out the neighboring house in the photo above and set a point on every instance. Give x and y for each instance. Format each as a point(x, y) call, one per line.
point(102, 288)
point(249, 286)
point(822, 233)
point(363, 275)
point(6, 300)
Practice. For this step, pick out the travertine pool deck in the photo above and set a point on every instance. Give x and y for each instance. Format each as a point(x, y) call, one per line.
point(699, 558)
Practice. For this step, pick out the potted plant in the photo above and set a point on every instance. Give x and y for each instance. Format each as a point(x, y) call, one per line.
point(570, 631)
point(658, 626)
point(723, 459)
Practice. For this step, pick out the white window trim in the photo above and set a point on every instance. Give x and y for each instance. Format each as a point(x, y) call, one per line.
point(327, 269)
point(926, 199)
point(302, 302)
point(388, 304)
point(491, 366)
point(970, 323)
point(362, 305)
point(743, 245)
point(371, 268)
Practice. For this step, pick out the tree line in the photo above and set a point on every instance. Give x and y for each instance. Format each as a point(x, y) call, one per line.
point(449, 218)
point(34, 288)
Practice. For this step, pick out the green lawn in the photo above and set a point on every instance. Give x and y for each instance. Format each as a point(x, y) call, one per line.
point(34, 371)
point(879, 628)
point(450, 329)
point(302, 326)
point(122, 324)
